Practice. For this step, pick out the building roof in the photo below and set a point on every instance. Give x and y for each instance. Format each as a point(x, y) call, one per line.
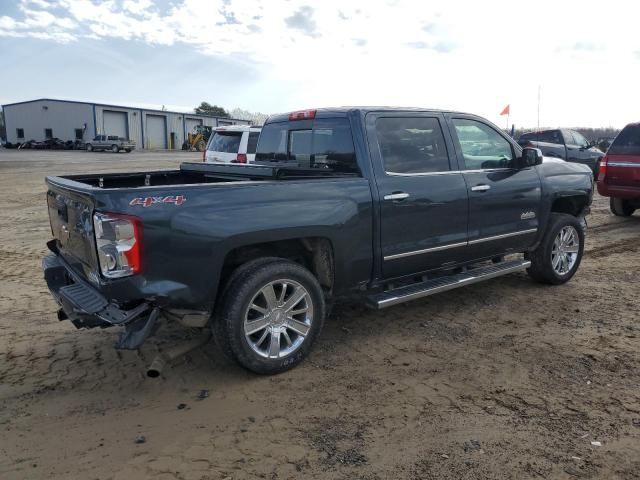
point(190, 114)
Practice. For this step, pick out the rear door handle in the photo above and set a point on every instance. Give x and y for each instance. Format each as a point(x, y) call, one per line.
point(480, 188)
point(396, 196)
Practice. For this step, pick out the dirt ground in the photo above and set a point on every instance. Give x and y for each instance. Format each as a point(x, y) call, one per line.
point(505, 379)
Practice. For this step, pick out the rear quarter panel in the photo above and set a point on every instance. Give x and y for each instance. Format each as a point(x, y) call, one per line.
point(185, 245)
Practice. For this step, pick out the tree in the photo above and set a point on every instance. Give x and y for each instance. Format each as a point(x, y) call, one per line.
point(256, 118)
point(207, 109)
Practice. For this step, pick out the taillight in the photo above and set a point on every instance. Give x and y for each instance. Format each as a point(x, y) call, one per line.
point(204, 155)
point(602, 170)
point(302, 115)
point(241, 158)
point(119, 242)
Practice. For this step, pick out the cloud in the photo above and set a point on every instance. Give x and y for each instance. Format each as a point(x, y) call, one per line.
point(440, 47)
point(303, 20)
point(359, 42)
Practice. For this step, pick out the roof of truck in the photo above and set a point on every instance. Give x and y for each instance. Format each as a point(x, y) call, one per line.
point(342, 111)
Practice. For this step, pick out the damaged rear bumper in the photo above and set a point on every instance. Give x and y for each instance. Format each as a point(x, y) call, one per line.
point(86, 307)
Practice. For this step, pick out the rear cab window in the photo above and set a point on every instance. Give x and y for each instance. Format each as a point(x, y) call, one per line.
point(323, 143)
point(546, 136)
point(252, 142)
point(627, 142)
point(225, 142)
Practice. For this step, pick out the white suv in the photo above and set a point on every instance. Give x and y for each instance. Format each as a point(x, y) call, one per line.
point(232, 144)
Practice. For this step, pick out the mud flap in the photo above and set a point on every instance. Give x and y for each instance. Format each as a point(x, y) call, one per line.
point(136, 332)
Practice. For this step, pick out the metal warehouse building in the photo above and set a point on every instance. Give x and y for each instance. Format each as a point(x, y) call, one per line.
point(69, 120)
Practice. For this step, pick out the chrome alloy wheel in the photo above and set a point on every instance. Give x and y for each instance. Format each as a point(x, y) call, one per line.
point(278, 319)
point(564, 252)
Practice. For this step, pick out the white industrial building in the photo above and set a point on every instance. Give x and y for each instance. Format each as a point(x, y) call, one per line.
point(70, 120)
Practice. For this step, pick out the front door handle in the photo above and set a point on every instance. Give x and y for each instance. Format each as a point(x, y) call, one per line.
point(480, 188)
point(396, 196)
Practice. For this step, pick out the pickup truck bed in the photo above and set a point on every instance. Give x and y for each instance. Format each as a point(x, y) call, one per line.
point(374, 204)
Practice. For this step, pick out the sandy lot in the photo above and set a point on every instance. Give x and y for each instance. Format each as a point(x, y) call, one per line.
point(506, 379)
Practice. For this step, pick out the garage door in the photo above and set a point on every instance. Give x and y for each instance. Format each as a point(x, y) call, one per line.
point(115, 123)
point(192, 123)
point(156, 133)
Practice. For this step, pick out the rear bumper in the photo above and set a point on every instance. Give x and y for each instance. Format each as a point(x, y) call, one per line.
point(617, 191)
point(86, 307)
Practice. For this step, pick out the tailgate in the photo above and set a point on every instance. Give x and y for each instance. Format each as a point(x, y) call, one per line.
point(71, 219)
point(623, 170)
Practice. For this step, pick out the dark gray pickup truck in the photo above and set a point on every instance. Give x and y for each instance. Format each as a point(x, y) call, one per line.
point(374, 204)
point(565, 144)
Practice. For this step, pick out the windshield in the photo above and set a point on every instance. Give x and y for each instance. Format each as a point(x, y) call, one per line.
point(225, 142)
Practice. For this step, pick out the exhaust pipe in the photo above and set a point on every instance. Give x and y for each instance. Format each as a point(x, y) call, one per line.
point(158, 364)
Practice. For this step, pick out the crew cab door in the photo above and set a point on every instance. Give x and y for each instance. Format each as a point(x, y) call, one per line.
point(504, 201)
point(422, 195)
point(579, 150)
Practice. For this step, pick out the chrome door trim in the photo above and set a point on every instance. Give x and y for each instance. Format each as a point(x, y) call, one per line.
point(426, 250)
point(458, 244)
point(622, 164)
point(504, 235)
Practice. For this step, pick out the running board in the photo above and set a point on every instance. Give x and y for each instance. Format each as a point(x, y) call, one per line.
point(442, 284)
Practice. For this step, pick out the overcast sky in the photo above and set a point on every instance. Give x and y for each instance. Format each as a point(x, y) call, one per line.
point(279, 55)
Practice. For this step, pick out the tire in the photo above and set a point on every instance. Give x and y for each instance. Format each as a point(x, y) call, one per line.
point(556, 260)
point(243, 302)
point(89, 147)
point(621, 207)
point(115, 149)
point(201, 146)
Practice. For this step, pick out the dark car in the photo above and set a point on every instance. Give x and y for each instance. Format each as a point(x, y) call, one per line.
point(565, 144)
point(377, 205)
point(619, 176)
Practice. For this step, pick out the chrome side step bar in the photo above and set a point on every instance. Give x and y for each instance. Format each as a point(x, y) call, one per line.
point(442, 284)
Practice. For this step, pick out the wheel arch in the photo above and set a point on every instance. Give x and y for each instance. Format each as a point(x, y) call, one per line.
point(316, 253)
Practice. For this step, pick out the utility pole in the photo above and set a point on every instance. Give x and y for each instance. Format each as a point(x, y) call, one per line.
point(538, 107)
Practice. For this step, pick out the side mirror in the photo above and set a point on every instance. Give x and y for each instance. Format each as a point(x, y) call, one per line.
point(530, 157)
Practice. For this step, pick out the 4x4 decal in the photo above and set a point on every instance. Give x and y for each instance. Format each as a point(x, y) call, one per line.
point(148, 201)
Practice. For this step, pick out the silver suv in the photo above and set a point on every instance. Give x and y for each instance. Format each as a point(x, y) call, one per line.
point(112, 143)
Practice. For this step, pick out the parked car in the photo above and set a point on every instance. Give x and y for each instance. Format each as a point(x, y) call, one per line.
point(232, 144)
point(378, 205)
point(113, 143)
point(619, 176)
point(566, 144)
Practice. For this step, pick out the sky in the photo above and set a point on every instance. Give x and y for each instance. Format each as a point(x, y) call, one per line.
point(282, 55)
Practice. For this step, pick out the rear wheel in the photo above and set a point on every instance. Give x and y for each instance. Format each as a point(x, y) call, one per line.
point(621, 207)
point(115, 149)
point(558, 256)
point(89, 147)
point(272, 311)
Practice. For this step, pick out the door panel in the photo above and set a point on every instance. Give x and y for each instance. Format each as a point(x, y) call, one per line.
point(508, 210)
point(504, 202)
point(423, 200)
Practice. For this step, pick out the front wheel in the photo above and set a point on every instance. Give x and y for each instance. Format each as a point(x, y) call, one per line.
point(272, 311)
point(89, 147)
point(115, 149)
point(558, 256)
point(621, 207)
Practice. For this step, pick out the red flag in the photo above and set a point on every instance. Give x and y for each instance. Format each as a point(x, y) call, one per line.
point(505, 111)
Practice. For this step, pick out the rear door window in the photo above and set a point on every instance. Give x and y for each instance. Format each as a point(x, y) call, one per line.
point(225, 142)
point(627, 142)
point(412, 145)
